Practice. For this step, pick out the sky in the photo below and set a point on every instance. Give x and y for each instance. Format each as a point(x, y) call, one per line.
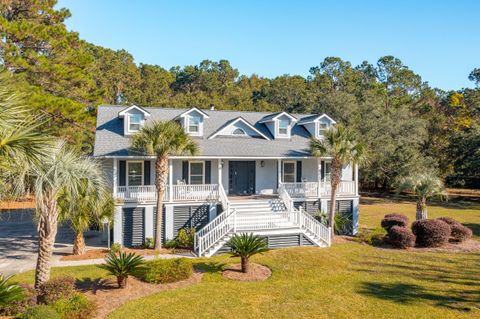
point(439, 40)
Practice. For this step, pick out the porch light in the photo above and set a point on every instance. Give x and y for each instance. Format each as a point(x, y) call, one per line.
point(262, 163)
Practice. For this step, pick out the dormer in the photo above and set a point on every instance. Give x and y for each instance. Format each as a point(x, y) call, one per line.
point(239, 128)
point(317, 124)
point(134, 118)
point(192, 121)
point(279, 124)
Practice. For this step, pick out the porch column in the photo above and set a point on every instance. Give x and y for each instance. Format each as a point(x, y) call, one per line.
point(279, 172)
point(170, 180)
point(220, 172)
point(319, 177)
point(117, 226)
point(356, 180)
point(114, 177)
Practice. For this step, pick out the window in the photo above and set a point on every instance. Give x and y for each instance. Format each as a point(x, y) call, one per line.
point(197, 173)
point(283, 127)
point(135, 173)
point(289, 172)
point(194, 124)
point(328, 171)
point(238, 131)
point(322, 127)
point(134, 122)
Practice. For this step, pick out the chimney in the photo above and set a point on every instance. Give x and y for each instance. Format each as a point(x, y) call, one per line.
point(212, 107)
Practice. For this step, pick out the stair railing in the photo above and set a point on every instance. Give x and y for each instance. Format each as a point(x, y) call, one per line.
point(319, 230)
point(285, 197)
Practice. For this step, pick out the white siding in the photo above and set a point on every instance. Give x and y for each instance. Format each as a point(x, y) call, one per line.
point(107, 168)
point(266, 177)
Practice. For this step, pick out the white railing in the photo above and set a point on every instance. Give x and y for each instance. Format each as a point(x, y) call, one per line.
point(306, 189)
point(138, 193)
point(345, 188)
point(266, 221)
point(285, 197)
point(222, 197)
point(195, 192)
point(214, 231)
point(308, 222)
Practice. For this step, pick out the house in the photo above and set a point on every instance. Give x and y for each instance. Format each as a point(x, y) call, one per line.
point(254, 173)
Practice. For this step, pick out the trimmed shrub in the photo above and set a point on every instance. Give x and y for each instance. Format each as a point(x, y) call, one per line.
point(19, 306)
point(167, 270)
point(391, 220)
point(76, 307)
point(40, 312)
point(431, 232)
point(115, 248)
point(149, 243)
point(448, 220)
point(170, 244)
point(401, 237)
point(185, 238)
point(372, 237)
point(55, 289)
point(460, 233)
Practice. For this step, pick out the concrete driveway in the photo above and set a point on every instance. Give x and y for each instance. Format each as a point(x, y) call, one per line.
point(18, 241)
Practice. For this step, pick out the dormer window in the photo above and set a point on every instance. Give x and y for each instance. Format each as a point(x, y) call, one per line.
point(239, 131)
point(322, 127)
point(279, 124)
point(192, 121)
point(194, 124)
point(283, 127)
point(134, 122)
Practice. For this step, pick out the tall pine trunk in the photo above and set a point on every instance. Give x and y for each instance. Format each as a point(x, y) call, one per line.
point(161, 175)
point(336, 172)
point(47, 230)
point(79, 244)
point(421, 209)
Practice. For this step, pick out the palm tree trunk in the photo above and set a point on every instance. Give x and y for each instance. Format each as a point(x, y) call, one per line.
point(47, 230)
point(334, 182)
point(79, 244)
point(161, 175)
point(421, 209)
point(245, 264)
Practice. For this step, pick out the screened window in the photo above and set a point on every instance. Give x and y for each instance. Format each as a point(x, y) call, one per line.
point(238, 131)
point(135, 121)
point(289, 172)
point(135, 173)
point(197, 173)
point(283, 127)
point(194, 124)
point(322, 127)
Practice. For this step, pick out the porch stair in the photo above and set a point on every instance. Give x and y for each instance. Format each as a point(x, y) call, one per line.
point(263, 217)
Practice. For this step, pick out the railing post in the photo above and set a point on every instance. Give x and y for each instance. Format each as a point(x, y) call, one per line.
point(235, 222)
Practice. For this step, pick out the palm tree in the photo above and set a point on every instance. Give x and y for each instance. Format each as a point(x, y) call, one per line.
point(340, 144)
point(122, 266)
point(90, 207)
point(424, 186)
point(62, 172)
point(163, 139)
point(245, 246)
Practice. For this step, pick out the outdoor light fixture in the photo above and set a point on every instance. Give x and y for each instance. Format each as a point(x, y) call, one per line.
point(262, 163)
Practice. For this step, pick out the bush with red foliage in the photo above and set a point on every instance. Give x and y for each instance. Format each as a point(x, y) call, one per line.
point(460, 233)
point(391, 220)
point(448, 220)
point(55, 289)
point(431, 232)
point(401, 237)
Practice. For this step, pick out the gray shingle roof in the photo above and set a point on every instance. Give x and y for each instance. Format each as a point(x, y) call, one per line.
point(110, 141)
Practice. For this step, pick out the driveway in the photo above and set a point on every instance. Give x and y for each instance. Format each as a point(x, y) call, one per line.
point(18, 241)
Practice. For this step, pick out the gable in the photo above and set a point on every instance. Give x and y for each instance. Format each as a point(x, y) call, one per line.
point(238, 128)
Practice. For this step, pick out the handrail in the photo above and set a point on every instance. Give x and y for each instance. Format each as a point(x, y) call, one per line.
point(309, 223)
point(285, 197)
point(222, 196)
point(214, 231)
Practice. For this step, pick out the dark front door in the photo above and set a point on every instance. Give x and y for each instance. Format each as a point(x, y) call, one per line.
point(241, 177)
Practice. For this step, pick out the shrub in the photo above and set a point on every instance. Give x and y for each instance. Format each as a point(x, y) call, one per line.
point(170, 244)
point(431, 232)
point(448, 220)
point(391, 220)
point(245, 246)
point(401, 237)
point(460, 233)
point(149, 243)
point(115, 248)
point(9, 292)
point(56, 288)
point(343, 224)
point(15, 307)
point(167, 270)
point(186, 237)
point(122, 266)
point(40, 312)
point(76, 307)
point(372, 237)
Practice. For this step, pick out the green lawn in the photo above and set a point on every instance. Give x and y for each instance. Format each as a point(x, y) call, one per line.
point(348, 280)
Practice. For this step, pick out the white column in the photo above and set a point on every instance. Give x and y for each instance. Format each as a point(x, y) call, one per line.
point(356, 180)
point(115, 177)
point(279, 172)
point(168, 222)
point(319, 177)
point(355, 215)
point(149, 222)
point(324, 205)
point(220, 171)
point(117, 226)
point(170, 180)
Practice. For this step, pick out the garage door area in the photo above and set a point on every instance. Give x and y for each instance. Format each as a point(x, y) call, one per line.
point(133, 221)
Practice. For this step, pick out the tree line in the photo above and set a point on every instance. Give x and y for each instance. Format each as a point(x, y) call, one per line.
point(407, 124)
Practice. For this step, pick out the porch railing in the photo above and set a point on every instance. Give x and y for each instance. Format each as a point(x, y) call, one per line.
point(205, 192)
point(138, 193)
point(195, 192)
point(345, 188)
point(314, 189)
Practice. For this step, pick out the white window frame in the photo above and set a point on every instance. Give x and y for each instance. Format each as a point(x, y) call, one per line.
point(190, 171)
point(200, 125)
point(320, 129)
point(239, 129)
point(287, 134)
point(129, 116)
point(294, 171)
point(142, 173)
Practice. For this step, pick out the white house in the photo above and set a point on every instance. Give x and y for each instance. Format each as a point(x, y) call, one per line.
point(254, 173)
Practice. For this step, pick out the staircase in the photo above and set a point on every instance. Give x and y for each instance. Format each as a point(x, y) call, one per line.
point(264, 217)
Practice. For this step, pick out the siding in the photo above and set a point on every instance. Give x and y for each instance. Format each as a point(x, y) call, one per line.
point(311, 207)
point(189, 216)
point(345, 208)
point(107, 169)
point(133, 220)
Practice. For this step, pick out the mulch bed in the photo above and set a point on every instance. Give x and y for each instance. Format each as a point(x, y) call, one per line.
point(469, 246)
point(100, 253)
point(256, 272)
point(108, 297)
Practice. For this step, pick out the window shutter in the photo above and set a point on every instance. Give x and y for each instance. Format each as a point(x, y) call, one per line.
point(323, 170)
point(122, 173)
point(146, 173)
point(299, 171)
point(208, 172)
point(185, 171)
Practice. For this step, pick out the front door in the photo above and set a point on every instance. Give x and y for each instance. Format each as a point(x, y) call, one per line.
point(241, 177)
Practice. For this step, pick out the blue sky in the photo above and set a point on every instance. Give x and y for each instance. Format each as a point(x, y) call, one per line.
point(437, 39)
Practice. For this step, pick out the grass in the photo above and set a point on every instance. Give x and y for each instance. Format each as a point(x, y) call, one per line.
point(349, 280)
point(81, 273)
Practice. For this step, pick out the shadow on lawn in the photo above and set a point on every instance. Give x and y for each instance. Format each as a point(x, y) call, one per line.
point(474, 227)
point(95, 284)
point(210, 267)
